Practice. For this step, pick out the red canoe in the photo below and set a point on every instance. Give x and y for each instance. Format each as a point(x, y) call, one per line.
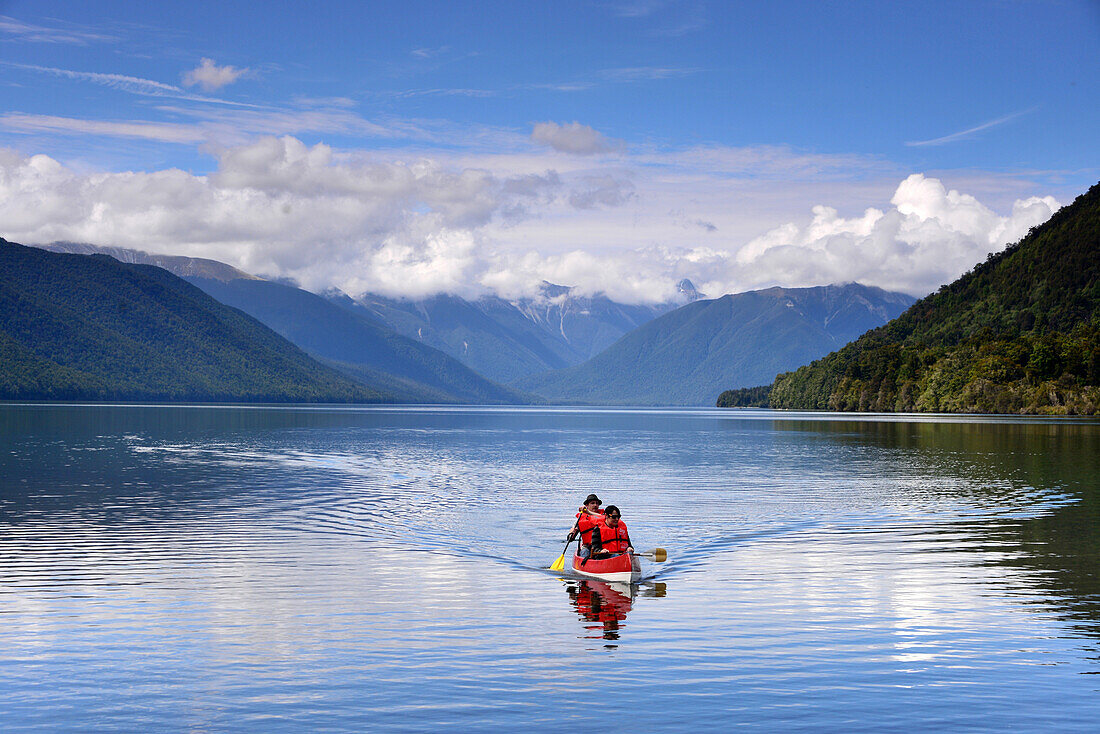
point(624, 568)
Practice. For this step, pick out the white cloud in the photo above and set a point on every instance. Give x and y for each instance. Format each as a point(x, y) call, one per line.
point(571, 137)
point(125, 83)
point(69, 33)
point(638, 8)
point(133, 84)
point(929, 237)
point(427, 52)
point(212, 77)
point(408, 224)
point(219, 127)
point(969, 132)
point(644, 73)
point(278, 207)
point(166, 132)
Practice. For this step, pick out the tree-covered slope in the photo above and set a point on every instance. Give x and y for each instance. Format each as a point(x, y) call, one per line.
point(687, 356)
point(354, 343)
point(1019, 333)
point(87, 327)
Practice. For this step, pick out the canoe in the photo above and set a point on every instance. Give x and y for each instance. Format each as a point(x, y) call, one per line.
point(622, 568)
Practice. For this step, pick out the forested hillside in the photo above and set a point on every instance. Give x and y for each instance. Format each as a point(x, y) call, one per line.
point(1020, 333)
point(87, 327)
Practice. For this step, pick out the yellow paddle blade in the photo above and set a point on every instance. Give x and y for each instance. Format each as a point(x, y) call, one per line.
point(558, 565)
point(657, 554)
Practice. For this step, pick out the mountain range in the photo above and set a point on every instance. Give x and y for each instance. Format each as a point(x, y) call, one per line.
point(357, 345)
point(79, 327)
point(688, 356)
point(497, 340)
point(507, 340)
point(557, 346)
point(346, 339)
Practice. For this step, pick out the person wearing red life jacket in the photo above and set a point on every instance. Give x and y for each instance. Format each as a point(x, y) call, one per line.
point(589, 515)
point(611, 536)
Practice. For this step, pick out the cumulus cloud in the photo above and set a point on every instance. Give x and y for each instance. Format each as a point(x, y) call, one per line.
point(930, 236)
point(924, 235)
point(212, 77)
point(414, 226)
point(279, 207)
point(572, 138)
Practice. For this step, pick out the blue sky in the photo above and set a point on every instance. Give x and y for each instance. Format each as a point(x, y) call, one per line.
point(469, 147)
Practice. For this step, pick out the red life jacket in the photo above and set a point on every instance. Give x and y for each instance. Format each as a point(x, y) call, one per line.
point(585, 523)
point(614, 540)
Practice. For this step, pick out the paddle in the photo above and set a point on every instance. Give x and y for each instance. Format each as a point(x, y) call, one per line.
point(559, 565)
point(657, 555)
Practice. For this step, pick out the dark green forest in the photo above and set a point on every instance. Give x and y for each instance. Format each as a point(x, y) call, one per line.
point(88, 327)
point(1020, 333)
point(746, 397)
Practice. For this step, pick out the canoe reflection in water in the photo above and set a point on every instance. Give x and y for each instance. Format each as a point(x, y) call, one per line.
point(606, 604)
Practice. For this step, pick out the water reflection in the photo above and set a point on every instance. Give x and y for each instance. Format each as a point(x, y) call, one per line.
point(603, 605)
point(1038, 474)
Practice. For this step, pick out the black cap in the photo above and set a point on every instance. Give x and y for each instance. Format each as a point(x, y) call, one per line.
point(591, 498)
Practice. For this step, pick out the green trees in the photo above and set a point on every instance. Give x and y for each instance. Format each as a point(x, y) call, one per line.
point(1020, 333)
point(745, 397)
point(79, 327)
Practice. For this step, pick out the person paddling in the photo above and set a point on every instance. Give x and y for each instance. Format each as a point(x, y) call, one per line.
point(610, 536)
point(589, 515)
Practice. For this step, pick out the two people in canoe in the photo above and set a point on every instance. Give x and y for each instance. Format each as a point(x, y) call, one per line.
point(602, 532)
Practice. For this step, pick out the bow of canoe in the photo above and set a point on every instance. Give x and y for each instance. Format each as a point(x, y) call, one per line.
point(622, 568)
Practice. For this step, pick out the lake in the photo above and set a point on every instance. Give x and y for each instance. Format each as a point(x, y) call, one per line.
point(202, 568)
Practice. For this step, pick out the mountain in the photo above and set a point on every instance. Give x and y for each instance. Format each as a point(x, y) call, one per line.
point(688, 356)
point(352, 342)
point(508, 340)
point(88, 327)
point(1020, 333)
point(359, 346)
point(184, 267)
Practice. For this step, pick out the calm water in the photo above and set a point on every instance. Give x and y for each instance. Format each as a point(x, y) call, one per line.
point(289, 569)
